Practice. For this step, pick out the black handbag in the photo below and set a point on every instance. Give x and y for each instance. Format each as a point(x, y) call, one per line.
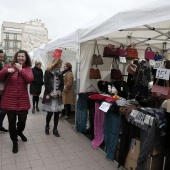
point(115, 72)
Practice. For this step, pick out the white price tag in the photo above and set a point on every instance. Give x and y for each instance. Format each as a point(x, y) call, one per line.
point(162, 73)
point(151, 62)
point(158, 64)
point(122, 59)
point(105, 106)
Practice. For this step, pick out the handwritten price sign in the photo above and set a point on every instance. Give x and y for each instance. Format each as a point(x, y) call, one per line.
point(122, 59)
point(105, 106)
point(152, 62)
point(162, 73)
point(158, 64)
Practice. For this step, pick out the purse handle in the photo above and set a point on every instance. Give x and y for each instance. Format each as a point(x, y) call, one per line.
point(148, 49)
point(115, 62)
point(97, 47)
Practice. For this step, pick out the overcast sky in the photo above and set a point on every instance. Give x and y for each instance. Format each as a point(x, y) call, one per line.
point(59, 16)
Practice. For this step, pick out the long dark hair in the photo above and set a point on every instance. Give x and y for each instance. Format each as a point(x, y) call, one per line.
point(28, 60)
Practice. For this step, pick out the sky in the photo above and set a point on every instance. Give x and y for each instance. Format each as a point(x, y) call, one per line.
point(59, 16)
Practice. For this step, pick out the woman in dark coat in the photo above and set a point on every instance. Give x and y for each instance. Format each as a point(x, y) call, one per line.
point(36, 85)
point(52, 99)
point(15, 100)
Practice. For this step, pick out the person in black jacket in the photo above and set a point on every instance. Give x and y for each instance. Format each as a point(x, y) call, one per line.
point(36, 85)
point(52, 99)
point(2, 115)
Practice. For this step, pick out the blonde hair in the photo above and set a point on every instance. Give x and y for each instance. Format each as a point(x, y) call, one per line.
point(54, 64)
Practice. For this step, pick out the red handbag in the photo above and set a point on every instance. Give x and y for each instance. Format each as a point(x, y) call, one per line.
point(149, 54)
point(132, 52)
point(110, 51)
point(162, 92)
point(115, 72)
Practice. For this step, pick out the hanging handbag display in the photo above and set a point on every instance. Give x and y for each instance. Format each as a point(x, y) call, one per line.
point(132, 52)
point(94, 73)
point(162, 92)
point(97, 59)
point(115, 72)
point(149, 54)
point(158, 57)
point(121, 51)
point(110, 51)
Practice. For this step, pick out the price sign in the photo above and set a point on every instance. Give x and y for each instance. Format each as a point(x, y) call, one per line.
point(158, 64)
point(162, 73)
point(122, 59)
point(105, 106)
point(151, 62)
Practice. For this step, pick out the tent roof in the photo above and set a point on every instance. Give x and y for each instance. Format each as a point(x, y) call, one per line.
point(141, 14)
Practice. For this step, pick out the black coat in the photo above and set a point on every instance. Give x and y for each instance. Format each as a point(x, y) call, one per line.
point(37, 83)
point(49, 87)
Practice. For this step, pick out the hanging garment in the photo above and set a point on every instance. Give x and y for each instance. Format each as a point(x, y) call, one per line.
point(81, 114)
point(111, 132)
point(98, 126)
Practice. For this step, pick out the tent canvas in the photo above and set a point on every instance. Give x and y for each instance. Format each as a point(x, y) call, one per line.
point(82, 40)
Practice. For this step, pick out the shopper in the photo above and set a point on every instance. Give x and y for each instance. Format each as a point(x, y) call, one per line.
point(52, 99)
point(15, 100)
point(36, 85)
point(2, 114)
point(68, 95)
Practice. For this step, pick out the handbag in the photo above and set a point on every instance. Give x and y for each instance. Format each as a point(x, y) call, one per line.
point(110, 51)
point(115, 72)
point(97, 59)
point(121, 51)
point(149, 54)
point(158, 57)
point(94, 73)
point(132, 52)
point(162, 92)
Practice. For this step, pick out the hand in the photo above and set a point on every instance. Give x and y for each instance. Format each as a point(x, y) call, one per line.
point(10, 70)
point(18, 66)
point(55, 95)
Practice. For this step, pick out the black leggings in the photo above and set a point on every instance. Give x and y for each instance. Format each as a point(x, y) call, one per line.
point(56, 118)
point(13, 130)
point(67, 109)
point(35, 100)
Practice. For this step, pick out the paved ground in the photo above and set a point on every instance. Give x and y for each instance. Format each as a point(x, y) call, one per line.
point(69, 152)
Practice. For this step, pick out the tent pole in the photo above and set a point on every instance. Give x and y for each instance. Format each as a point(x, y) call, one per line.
point(77, 78)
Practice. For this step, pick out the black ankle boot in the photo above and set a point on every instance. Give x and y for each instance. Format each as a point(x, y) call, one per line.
point(24, 139)
point(15, 147)
point(47, 130)
point(55, 132)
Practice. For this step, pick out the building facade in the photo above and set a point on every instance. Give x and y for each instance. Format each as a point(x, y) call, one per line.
point(26, 36)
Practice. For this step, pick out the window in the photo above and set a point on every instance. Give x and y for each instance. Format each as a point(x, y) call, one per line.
point(15, 36)
point(7, 35)
point(14, 44)
point(7, 45)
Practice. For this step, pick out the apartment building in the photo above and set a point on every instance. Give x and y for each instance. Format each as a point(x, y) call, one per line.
point(26, 36)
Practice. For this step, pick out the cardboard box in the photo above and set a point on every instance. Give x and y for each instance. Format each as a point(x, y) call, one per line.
point(153, 163)
point(134, 149)
point(130, 164)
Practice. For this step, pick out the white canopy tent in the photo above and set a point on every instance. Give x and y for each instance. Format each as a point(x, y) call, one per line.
point(142, 24)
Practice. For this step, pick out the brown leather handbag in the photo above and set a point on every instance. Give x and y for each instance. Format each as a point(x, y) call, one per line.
point(110, 51)
point(97, 59)
point(132, 52)
point(94, 73)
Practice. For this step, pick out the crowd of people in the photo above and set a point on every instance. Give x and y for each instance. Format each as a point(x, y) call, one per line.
point(14, 100)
